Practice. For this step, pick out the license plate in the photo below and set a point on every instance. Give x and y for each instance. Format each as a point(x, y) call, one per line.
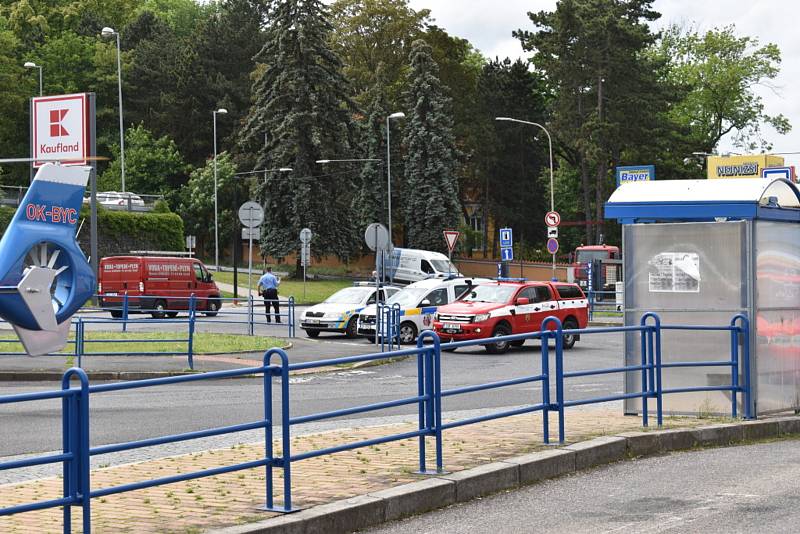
point(111, 294)
point(451, 327)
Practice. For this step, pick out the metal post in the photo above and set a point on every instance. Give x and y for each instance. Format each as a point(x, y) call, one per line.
point(291, 317)
point(125, 312)
point(422, 411)
point(389, 178)
point(250, 264)
point(250, 316)
point(121, 127)
point(216, 223)
point(545, 368)
point(190, 342)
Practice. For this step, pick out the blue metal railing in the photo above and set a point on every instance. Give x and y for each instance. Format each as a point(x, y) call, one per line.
point(387, 325)
point(253, 314)
point(427, 397)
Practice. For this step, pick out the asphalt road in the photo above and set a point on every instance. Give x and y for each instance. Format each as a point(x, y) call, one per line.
point(749, 488)
point(137, 414)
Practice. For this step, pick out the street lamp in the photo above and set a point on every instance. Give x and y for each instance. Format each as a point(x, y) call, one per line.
point(32, 65)
point(550, 144)
point(398, 115)
point(265, 171)
point(221, 111)
point(108, 32)
point(323, 161)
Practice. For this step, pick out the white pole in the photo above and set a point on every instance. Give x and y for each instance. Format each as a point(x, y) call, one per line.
point(389, 177)
point(250, 264)
point(121, 129)
point(216, 222)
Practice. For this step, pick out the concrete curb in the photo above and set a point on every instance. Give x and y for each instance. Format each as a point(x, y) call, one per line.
point(443, 490)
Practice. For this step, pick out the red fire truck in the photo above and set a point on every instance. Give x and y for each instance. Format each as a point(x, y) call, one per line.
point(605, 274)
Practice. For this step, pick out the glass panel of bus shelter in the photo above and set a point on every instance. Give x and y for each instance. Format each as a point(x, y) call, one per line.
point(777, 324)
point(689, 274)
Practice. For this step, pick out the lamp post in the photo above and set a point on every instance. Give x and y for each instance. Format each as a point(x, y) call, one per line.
point(550, 145)
point(32, 65)
point(108, 32)
point(220, 111)
point(398, 115)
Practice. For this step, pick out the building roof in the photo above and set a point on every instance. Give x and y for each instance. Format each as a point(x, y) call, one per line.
point(703, 200)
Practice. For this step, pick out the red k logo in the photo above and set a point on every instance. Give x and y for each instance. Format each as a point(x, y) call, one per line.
point(56, 117)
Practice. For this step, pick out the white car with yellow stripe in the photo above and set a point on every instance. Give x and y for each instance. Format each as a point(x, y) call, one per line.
point(418, 303)
point(339, 312)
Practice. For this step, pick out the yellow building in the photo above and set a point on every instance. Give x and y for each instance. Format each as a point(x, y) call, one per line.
point(741, 166)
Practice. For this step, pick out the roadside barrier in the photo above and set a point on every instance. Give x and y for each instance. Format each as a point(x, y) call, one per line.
point(200, 310)
point(427, 398)
point(387, 326)
point(605, 303)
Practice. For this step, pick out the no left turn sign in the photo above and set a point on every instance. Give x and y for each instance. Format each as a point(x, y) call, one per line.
point(552, 218)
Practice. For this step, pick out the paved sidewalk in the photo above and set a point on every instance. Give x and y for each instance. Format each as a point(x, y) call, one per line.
point(234, 498)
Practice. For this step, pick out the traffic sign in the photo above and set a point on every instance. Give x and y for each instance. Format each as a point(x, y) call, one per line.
point(778, 172)
point(552, 231)
point(305, 255)
point(451, 236)
point(552, 245)
point(251, 214)
point(305, 235)
point(251, 233)
point(506, 253)
point(506, 237)
point(377, 237)
point(552, 218)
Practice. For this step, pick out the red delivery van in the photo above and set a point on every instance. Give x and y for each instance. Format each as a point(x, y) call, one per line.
point(157, 285)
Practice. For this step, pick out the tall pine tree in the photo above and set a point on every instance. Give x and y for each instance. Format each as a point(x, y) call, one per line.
point(303, 108)
point(431, 203)
point(370, 201)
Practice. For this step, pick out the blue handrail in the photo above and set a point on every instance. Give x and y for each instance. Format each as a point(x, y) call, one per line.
point(77, 449)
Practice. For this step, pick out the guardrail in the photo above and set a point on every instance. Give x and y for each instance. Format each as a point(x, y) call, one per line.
point(606, 303)
point(427, 398)
point(252, 314)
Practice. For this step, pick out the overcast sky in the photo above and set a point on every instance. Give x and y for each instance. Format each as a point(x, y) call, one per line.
point(488, 24)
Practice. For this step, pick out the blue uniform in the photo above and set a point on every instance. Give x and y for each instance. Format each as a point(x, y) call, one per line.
point(268, 284)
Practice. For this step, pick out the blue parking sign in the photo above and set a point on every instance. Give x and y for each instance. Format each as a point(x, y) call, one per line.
point(506, 237)
point(506, 253)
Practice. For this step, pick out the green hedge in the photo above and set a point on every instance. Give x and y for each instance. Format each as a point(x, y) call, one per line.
point(163, 231)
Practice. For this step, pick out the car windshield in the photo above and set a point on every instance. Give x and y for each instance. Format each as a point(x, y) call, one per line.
point(444, 266)
point(349, 295)
point(408, 297)
point(490, 293)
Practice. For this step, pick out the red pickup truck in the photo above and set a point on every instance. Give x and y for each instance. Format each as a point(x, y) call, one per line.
point(510, 307)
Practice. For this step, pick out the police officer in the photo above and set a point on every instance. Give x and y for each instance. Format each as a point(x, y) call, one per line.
point(268, 287)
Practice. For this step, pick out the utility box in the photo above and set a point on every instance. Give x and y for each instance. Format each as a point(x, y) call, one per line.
point(698, 252)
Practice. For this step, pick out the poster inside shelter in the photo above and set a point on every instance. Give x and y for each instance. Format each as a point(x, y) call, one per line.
point(674, 272)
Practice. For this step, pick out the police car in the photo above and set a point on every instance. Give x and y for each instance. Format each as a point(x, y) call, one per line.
point(339, 312)
point(418, 302)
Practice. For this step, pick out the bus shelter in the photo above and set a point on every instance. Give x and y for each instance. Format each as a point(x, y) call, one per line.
point(698, 252)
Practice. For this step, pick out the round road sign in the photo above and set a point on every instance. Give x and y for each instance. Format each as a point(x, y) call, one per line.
point(305, 235)
point(552, 218)
point(377, 237)
point(552, 245)
point(251, 214)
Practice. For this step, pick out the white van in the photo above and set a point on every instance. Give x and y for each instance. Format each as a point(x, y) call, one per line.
point(418, 303)
point(413, 265)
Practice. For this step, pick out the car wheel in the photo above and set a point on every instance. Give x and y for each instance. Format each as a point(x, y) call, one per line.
point(408, 333)
point(351, 330)
point(517, 343)
point(211, 308)
point(570, 339)
point(499, 347)
point(116, 314)
point(172, 314)
point(312, 333)
point(159, 309)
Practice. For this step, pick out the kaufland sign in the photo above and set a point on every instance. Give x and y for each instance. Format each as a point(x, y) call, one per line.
point(60, 128)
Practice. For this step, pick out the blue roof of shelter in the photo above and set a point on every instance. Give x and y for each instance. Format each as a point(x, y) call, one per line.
point(705, 200)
